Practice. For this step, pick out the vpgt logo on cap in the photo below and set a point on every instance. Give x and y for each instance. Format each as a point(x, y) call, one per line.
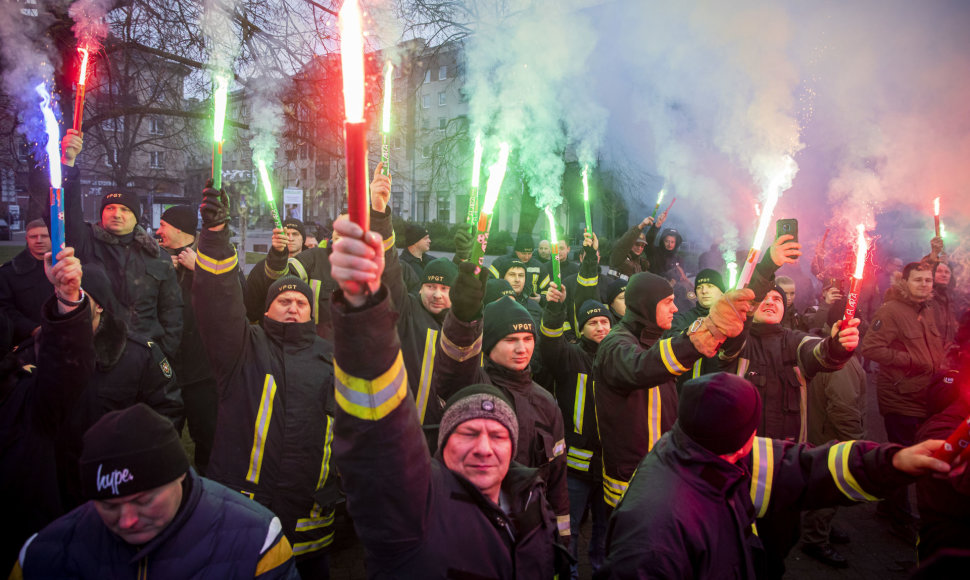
point(287, 287)
point(113, 479)
point(436, 278)
point(112, 195)
point(522, 326)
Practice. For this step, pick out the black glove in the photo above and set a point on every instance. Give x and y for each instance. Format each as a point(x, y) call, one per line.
point(214, 208)
point(464, 242)
point(590, 257)
point(467, 293)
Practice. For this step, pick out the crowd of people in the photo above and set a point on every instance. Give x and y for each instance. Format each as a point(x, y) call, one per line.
point(472, 419)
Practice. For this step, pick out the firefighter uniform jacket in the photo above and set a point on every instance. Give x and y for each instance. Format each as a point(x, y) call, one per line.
point(275, 383)
point(636, 398)
point(532, 269)
point(414, 516)
point(572, 367)
point(417, 328)
point(541, 439)
point(689, 514)
point(623, 262)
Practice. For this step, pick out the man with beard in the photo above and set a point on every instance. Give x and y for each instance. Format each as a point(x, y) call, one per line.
point(635, 370)
point(574, 391)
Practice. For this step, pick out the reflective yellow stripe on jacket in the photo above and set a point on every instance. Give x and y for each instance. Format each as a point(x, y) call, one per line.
point(762, 473)
point(654, 412)
point(838, 462)
point(670, 361)
point(427, 368)
point(578, 459)
point(214, 266)
point(374, 399)
point(261, 431)
point(613, 489)
point(579, 403)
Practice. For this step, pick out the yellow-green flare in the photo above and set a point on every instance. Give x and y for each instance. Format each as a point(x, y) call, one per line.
point(268, 190)
point(554, 239)
point(476, 178)
point(220, 97)
point(496, 174)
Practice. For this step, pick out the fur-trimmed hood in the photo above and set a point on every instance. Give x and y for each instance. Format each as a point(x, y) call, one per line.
point(141, 239)
point(900, 292)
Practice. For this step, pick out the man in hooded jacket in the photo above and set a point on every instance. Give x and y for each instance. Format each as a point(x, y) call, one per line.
point(635, 371)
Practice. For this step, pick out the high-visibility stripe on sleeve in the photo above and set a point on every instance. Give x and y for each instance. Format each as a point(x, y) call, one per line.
point(494, 271)
point(261, 431)
point(271, 273)
point(562, 524)
point(762, 474)
point(301, 548)
point(802, 406)
point(389, 242)
point(654, 411)
point(327, 446)
point(579, 403)
point(299, 268)
point(213, 266)
point(588, 282)
point(613, 489)
point(669, 359)
point(279, 554)
point(544, 282)
point(550, 332)
point(460, 353)
point(578, 459)
point(374, 399)
point(743, 365)
point(315, 286)
point(838, 461)
point(427, 369)
point(314, 523)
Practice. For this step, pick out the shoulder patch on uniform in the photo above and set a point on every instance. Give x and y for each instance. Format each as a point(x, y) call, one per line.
point(166, 368)
point(877, 324)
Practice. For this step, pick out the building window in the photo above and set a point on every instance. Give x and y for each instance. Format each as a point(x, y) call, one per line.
point(155, 126)
point(426, 151)
point(156, 160)
point(442, 73)
point(422, 207)
point(117, 124)
point(444, 209)
point(427, 76)
point(442, 123)
point(425, 124)
point(111, 158)
point(425, 101)
point(442, 99)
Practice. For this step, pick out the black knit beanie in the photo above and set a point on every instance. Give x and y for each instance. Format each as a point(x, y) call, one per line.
point(293, 223)
point(413, 234)
point(130, 451)
point(497, 288)
point(512, 264)
point(502, 318)
point(591, 309)
point(524, 242)
point(615, 288)
point(709, 276)
point(128, 199)
point(440, 271)
point(479, 401)
point(719, 411)
point(285, 284)
point(182, 217)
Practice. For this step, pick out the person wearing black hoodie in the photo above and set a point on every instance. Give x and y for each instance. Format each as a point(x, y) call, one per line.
point(635, 370)
point(574, 392)
point(664, 256)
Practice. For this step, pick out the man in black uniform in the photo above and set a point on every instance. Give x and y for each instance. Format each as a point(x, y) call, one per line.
point(690, 510)
point(522, 252)
point(415, 254)
point(275, 381)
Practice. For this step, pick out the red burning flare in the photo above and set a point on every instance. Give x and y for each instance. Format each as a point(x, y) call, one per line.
point(355, 130)
point(82, 78)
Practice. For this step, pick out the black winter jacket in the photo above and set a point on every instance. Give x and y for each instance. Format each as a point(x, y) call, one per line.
point(35, 403)
point(689, 514)
point(24, 288)
point(216, 533)
point(142, 276)
point(572, 368)
point(415, 517)
point(275, 383)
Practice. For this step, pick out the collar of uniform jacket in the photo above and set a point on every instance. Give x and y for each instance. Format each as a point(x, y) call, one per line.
point(140, 238)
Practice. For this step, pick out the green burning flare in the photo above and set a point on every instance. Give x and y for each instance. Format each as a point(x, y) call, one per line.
point(554, 240)
point(220, 98)
point(268, 191)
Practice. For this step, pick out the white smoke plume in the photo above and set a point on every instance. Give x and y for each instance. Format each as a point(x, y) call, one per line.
point(267, 120)
point(90, 27)
point(222, 39)
point(28, 59)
